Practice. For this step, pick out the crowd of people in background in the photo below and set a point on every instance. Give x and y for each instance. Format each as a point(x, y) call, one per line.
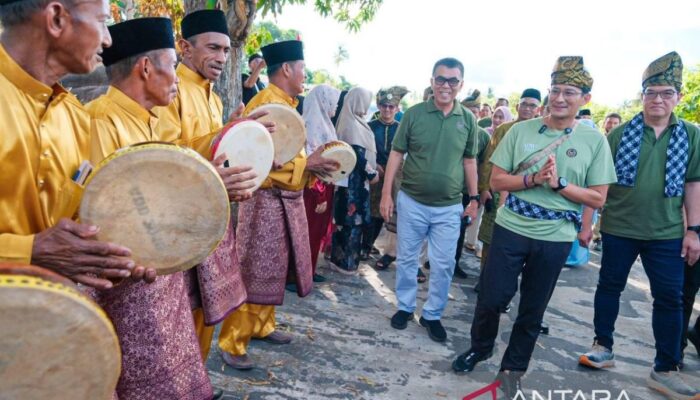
point(517, 185)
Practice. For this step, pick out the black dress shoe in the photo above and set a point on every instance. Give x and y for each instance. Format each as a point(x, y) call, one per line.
point(467, 361)
point(435, 329)
point(318, 278)
point(291, 287)
point(218, 394)
point(426, 265)
point(694, 338)
point(544, 328)
point(459, 273)
point(400, 319)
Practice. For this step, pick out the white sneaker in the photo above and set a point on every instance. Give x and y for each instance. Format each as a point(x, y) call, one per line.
point(672, 385)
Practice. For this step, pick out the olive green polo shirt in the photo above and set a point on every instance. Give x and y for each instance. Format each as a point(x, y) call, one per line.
point(435, 144)
point(584, 160)
point(643, 212)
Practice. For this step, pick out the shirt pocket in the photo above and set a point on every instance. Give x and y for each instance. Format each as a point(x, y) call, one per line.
point(68, 201)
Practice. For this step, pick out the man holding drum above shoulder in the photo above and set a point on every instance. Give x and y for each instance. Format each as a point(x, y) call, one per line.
point(160, 353)
point(45, 140)
point(272, 236)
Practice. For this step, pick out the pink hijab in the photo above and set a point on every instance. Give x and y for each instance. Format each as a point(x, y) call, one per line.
point(507, 117)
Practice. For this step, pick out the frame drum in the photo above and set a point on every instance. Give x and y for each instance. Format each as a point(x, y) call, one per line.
point(164, 202)
point(342, 153)
point(290, 130)
point(55, 343)
point(247, 143)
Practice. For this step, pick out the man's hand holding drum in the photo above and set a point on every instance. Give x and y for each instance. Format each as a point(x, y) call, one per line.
point(71, 249)
point(320, 165)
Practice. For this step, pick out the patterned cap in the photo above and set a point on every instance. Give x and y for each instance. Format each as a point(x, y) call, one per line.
point(393, 95)
point(569, 70)
point(666, 70)
point(473, 100)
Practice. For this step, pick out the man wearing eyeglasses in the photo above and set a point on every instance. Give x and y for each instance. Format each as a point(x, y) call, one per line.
point(439, 138)
point(657, 161)
point(549, 167)
point(384, 128)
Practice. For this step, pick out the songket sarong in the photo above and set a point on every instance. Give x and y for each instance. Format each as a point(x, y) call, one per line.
point(160, 352)
point(273, 243)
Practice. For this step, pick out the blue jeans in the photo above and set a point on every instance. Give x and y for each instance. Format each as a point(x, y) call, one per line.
point(415, 223)
point(664, 267)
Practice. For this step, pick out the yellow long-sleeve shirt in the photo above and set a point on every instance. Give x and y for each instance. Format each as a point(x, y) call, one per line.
point(118, 121)
point(292, 176)
point(196, 110)
point(45, 137)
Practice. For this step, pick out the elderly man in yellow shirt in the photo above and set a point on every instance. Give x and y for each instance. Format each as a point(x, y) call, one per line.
point(195, 115)
point(273, 237)
point(45, 140)
point(160, 352)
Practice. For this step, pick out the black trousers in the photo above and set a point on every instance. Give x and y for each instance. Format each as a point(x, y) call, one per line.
point(370, 233)
point(511, 255)
point(691, 285)
point(462, 233)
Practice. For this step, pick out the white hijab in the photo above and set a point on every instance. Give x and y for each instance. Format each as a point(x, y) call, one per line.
point(352, 127)
point(319, 107)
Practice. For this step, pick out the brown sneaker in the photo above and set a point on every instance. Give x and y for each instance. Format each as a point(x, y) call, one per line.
point(278, 337)
point(242, 363)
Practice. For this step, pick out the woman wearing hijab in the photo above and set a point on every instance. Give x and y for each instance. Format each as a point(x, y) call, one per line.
point(501, 115)
point(351, 203)
point(319, 107)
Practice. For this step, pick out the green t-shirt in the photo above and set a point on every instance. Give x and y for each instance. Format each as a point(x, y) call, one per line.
point(433, 173)
point(584, 160)
point(643, 212)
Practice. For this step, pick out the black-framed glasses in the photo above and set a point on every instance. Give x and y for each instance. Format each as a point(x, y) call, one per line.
point(529, 106)
point(441, 80)
point(665, 94)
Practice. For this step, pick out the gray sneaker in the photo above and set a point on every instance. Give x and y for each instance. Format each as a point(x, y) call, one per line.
point(672, 385)
point(599, 357)
point(510, 384)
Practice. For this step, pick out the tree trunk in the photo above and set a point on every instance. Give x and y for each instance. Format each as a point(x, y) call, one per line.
point(240, 15)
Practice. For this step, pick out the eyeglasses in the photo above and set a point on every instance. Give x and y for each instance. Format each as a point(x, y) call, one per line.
point(665, 94)
point(441, 80)
point(530, 106)
point(387, 106)
point(568, 93)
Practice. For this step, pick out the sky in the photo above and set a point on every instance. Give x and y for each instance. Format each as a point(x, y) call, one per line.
point(507, 45)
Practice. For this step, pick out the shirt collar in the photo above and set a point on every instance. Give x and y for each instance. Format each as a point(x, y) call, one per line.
point(129, 104)
point(186, 74)
point(456, 108)
point(292, 102)
point(25, 82)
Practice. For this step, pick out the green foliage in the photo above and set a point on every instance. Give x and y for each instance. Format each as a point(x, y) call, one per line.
point(352, 13)
point(689, 106)
point(265, 33)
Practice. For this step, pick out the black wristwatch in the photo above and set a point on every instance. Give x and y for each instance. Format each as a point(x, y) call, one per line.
point(695, 228)
point(562, 184)
point(476, 197)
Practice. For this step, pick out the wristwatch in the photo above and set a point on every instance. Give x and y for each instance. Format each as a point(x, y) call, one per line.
point(562, 184)
point(695, 228)
point(475, 197)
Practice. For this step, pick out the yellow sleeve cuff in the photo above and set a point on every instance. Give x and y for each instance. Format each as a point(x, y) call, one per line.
point(16, 248)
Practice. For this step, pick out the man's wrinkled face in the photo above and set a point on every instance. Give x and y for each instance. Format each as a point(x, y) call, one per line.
point(86, 34)
point(297, 76)
point(208, 53)
point(161, 85)
point(659, 101)
point(527, 108)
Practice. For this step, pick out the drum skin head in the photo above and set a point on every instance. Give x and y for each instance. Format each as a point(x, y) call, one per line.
point(248, 143)
point(343, 154)
point(55, 342)
point(165, 203)
point(290, 130)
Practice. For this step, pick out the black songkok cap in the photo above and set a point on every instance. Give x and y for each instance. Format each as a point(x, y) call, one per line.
point(531, 93)
point(137, 36)
point(584, 111)
point(3, 2)
point(277, 53)
point(203, 21)
point(254, 56)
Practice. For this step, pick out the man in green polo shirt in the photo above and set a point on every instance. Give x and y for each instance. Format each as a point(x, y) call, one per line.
point(549, 166)
point(439, 139)
point(657, 160)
